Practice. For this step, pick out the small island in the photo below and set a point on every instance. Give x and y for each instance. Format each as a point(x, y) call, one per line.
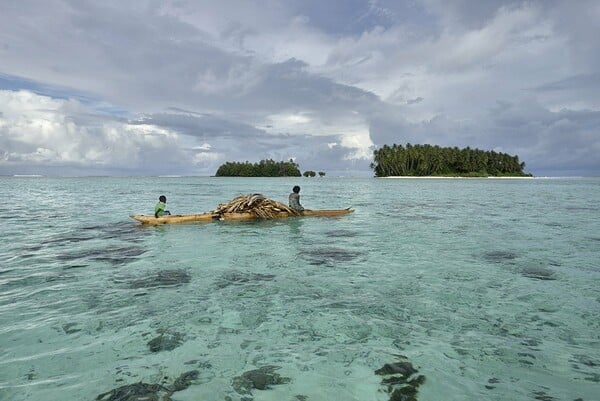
point(264, 168)
point(436, 161)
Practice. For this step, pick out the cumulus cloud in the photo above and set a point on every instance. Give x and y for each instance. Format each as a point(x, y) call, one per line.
point(550, 142)
point(44, 134)
point(197, 84)
point(228, 140)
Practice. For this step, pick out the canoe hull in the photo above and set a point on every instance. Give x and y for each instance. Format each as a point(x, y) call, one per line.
point(209, 217)
point(174, 219)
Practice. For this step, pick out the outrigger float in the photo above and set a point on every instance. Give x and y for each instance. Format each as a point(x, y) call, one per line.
point(244, 207)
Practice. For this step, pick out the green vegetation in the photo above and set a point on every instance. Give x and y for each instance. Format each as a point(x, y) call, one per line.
point(264, 168)
point(428, 160)
point(310, 173)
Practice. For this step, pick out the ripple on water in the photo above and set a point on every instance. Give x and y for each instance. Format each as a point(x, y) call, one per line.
point(341, 233)
point(123, 231)
point(329, 255)
point(538, 273)
point(115, 255)
point(162, 279)
point(499, 256)
point(241, 278)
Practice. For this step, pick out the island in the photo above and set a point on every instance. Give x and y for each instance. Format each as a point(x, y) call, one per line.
point(264, 168)
point(435, 161)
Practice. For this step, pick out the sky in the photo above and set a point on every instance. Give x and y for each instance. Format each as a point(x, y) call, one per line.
point(179, 87)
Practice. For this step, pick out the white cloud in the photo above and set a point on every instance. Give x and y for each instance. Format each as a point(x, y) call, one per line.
point(288, 122)
point(273, 79)
point(204, 146)
point(49, 132)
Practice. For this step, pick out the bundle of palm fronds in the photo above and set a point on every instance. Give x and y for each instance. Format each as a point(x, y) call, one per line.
point(258, 204)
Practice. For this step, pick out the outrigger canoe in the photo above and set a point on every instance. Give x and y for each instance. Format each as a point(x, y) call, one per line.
point(208, 217)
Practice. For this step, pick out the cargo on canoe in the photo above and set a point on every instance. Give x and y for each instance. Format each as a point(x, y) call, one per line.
point(208, 217)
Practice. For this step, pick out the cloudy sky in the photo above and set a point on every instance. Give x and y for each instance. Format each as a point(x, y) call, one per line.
point(179, 87)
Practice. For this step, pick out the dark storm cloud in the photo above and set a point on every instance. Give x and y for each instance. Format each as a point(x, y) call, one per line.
point(234, 139)
point(550, 142)
point(202, 125)
point(202, 83)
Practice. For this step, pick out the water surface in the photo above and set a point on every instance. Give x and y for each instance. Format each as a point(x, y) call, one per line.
point(489, 288)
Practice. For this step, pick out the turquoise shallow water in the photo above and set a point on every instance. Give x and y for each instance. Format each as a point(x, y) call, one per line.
point(489, 288)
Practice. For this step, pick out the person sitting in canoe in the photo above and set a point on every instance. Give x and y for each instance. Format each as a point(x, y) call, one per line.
point(159, 209)
point(294, 199)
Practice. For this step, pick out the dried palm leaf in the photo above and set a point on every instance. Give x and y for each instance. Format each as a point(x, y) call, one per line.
point(261, 206)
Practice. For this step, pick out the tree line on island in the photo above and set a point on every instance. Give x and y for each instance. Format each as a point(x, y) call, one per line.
point(398, 160)
point(433, 160)
point(264, 168)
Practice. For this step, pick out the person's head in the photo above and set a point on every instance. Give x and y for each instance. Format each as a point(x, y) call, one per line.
point(162, 199)
point(296, 189)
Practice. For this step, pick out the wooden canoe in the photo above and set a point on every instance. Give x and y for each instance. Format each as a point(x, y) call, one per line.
point(208, 217)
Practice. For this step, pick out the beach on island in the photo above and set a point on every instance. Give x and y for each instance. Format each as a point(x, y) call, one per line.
point(431, 177)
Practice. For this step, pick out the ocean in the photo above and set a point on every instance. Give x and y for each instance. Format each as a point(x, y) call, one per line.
point(439, 289)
